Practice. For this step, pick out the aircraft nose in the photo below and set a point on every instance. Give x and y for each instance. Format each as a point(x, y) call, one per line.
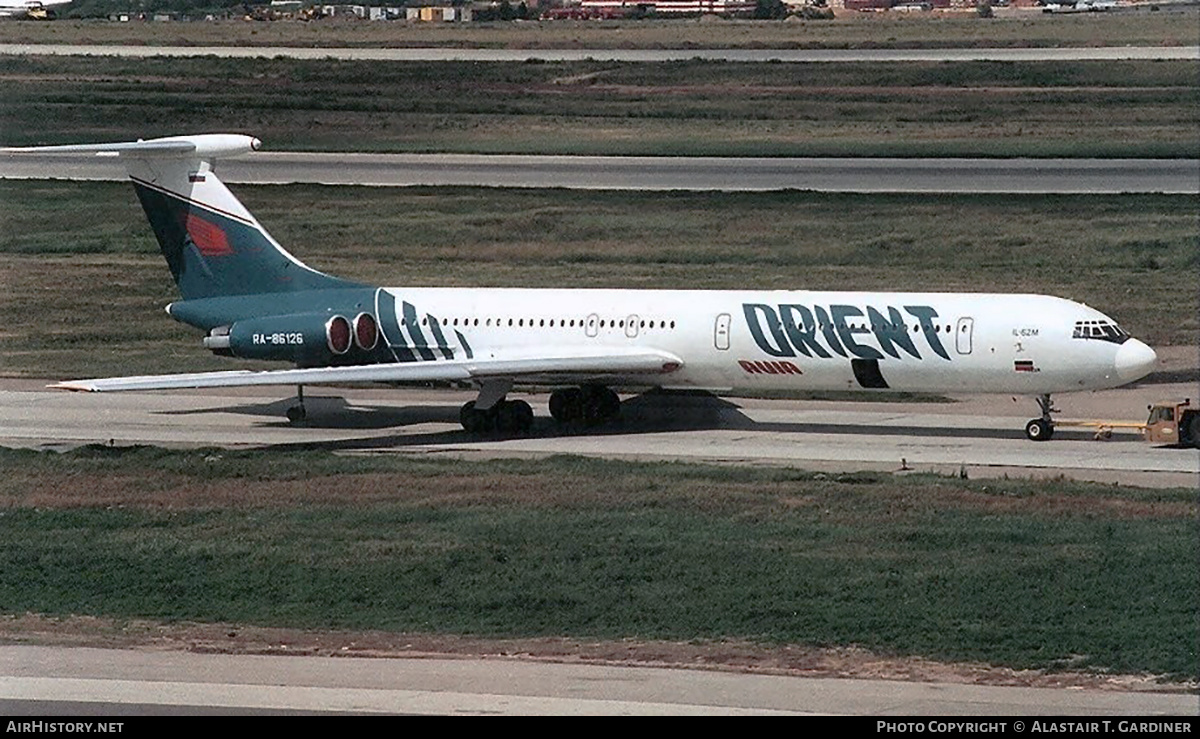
point(1134, 360)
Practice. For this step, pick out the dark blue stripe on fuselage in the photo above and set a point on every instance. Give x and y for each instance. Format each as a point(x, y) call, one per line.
point(443, 347)
point(414, 330)
point(462, 341)
point(389, 321)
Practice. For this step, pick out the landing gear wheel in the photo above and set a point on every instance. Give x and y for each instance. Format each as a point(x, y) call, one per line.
point(599, 405)
point(513, 416)
point(297, 414)
point(475, 421)
point(1039, 429)
point(590, 404)
point(524, 413)
point(566, 405)
point(507, 417)
point(1042, 429)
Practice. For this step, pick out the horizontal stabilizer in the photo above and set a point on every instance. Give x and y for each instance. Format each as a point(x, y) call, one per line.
point(577, 366)
point(201, 147)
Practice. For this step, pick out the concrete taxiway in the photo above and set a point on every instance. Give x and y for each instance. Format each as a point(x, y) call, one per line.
point(979, 435)
point(444, 54)
point(1094, 176)
point(84, 681)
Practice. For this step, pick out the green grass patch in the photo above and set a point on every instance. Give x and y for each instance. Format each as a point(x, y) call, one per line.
point(992, 109)
point(1025, 574)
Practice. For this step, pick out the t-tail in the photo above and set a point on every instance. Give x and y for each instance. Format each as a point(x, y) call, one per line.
point(213, 245)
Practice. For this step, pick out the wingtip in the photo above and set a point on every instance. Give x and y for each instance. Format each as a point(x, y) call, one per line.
point(75, 387)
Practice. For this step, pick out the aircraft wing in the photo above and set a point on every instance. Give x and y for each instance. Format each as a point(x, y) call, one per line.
point(563, 365)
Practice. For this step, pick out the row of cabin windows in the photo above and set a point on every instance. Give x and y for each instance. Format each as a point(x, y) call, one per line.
point(545, 323)
point(620, 323)
point(937, 329)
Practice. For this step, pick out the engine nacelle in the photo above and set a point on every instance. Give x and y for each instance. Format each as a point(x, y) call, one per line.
point(306, 339)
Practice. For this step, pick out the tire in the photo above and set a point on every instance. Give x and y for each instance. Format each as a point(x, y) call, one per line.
point(524, 415)
point(566, 405)
point(474, 421)
point(1194, 430)
point(610, 407)
point(558, 405)
point(514, 417)
point(593, 409)
point(1039, 430)
point(296, 414)
point(600, 405)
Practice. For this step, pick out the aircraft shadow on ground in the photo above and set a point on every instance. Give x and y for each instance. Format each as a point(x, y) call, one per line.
point(652, 412)
point(334, 413)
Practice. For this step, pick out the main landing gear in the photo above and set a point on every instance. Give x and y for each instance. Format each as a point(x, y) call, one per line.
point(1042, 429)
point(505, 416)
point(490, 412)
point(589, 405)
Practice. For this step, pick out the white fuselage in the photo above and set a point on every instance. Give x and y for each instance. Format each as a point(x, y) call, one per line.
point(803, 340)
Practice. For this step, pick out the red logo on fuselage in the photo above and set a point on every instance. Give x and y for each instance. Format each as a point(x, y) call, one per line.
point(208, 237)
point(769, 368)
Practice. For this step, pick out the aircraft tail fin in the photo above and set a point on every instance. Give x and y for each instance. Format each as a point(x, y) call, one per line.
point(212, 244)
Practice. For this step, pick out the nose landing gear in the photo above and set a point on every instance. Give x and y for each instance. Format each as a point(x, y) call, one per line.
point(1042, 429)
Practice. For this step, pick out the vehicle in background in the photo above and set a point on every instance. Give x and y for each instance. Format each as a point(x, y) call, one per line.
point(32, 9)
point(1171, 422)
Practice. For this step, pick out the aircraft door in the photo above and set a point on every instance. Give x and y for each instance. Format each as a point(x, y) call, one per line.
point(593, 325)
point(631, 326)
point(963, 335)
point(721, 332)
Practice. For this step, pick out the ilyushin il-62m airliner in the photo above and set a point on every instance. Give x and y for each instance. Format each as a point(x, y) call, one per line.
point(257, 301)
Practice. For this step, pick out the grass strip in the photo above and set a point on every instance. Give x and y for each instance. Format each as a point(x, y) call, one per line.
point(1047, 575)
point(686, 108)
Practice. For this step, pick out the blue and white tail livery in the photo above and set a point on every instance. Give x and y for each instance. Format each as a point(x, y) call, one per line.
point(255, 300)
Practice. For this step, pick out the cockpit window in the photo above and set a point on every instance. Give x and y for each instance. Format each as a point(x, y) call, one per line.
point(1100, 330)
